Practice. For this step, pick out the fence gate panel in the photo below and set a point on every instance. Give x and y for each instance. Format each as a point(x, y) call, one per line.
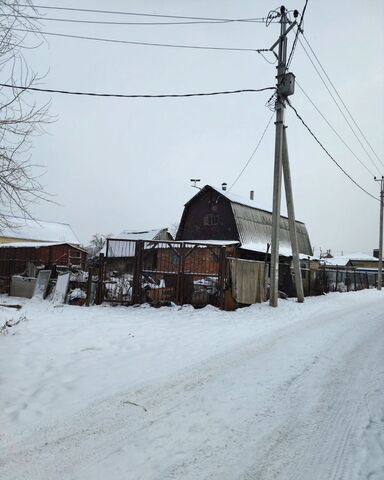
point(118, 272)
point(159, 272)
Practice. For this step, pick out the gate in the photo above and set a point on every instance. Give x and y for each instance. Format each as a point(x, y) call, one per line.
point(160, 272)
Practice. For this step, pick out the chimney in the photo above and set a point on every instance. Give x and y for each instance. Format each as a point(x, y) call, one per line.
point(224, 186)
point(252, 195)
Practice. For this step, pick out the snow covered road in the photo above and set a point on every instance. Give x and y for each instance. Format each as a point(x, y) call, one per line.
point(289, 393)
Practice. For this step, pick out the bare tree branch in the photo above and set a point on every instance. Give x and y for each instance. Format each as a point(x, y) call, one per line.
point(20, 117)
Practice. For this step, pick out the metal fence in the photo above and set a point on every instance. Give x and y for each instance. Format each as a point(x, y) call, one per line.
point(160, 272)
point(350, 279)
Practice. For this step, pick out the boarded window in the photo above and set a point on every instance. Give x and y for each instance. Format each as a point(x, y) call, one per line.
point(211, 219)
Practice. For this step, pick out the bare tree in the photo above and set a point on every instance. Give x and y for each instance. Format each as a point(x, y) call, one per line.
point(97, 243)
point(21, 118)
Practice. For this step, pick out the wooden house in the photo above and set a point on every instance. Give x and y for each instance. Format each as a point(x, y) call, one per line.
point(214, 214)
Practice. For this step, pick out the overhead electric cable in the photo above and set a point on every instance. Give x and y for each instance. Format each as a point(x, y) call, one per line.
point(140, 14)
point(118, 95)
point(334, 130)
point(171, 45)
point(329, 155)
point(110, 22)
point(339, 108)
point(253, 153)
point(298, 31)
point(342, 101)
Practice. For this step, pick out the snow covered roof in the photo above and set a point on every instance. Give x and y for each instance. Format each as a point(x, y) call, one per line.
point(342, 260)
point(40, 230)
point(219, 243)
point(119, 248)
point(36, 245)
point(154, 234)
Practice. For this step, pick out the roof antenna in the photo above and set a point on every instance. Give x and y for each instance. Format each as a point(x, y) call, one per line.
point(195, 181)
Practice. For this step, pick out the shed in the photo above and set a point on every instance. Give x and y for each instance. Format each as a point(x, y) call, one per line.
point(214, 214)
point(15, 257)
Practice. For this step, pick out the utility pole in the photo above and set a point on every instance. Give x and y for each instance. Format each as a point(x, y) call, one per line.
point(380, 271)
point(292, 220)
point(285, 84)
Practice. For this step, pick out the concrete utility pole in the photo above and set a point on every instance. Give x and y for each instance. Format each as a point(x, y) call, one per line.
point(292, 220)
point(380, 271)
point(280, 106)
point(285, 87)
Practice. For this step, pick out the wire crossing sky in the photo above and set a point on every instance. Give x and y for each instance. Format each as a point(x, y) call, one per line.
point(132, 161)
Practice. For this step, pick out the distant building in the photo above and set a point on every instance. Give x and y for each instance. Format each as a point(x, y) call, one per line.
point(214, 214)
point(356, 260)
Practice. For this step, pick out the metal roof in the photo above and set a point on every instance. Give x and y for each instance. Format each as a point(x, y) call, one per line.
point(255, 230)
point(120, 246)
point(254, 225)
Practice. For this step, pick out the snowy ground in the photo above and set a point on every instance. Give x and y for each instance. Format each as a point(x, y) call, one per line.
point(137, 393)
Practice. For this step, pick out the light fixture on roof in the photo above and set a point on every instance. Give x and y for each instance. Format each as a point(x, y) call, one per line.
point(224, 186)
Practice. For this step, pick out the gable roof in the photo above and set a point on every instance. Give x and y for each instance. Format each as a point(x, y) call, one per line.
point(254, 225)
point(39, 230)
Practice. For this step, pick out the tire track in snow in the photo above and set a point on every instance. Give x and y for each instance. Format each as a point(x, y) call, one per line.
point(265, 430)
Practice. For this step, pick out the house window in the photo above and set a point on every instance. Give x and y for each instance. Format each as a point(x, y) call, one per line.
point(175, 259)
point(211, 219)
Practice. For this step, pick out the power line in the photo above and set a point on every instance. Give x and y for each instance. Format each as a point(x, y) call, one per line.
point(339, 108)
point(334, 130)
point(341, 100)
point(139, 14)
point(107, 22)
point(252, 154)
point(329, 155)
point(299, 30)
point(171, 45)
point(117, 95)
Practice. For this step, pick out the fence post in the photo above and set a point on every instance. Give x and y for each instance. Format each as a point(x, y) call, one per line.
point(347, 280)
point(337, 277)
point(89, 287)
point(137, 271)
point(100, 283)
point(221, 279)
point(180, 276)
point(354, 278)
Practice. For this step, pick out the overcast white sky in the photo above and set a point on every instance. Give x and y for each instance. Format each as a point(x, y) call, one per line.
point(115, 164)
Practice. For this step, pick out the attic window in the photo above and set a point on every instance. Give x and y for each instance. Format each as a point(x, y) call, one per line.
point(211, 219)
